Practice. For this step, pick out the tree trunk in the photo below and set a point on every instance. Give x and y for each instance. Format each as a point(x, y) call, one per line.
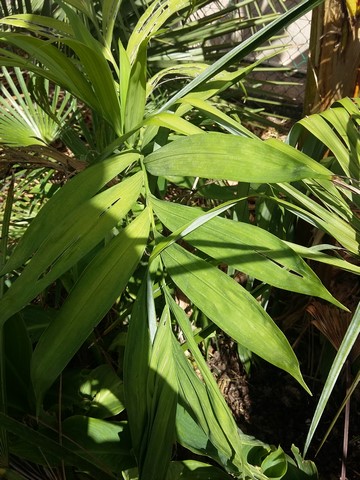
point(334, 56)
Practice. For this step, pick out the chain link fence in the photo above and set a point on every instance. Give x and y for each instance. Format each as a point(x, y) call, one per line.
point(281, 78)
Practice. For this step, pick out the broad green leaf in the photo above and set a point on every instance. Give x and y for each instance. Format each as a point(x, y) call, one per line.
point(222, 432)
point(92, 296)
point(194, 470)
point(173, 122)
point(110, 9)
point(104, 392)
point(58, 68)
point(201, 432)
point(225, 121)
point(124, 78)
point(246, 247)
point(48, 446)
point(98, 71)
point(222, 156)
point(317, 254)
point(300, 469)
point(321, 217)
point(347, 343)
point(275, 465)
point(76, 191)
point(45, 26)
point(69, 241)
point(151, 21)
point(231, 307)
point(108, 442)
point(187, 227)
point(136, 92)
point(136, 369)
point(156, 447)
point(83, 6)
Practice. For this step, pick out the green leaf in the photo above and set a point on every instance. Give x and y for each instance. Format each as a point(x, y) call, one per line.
point(110, 10)
point(214, 416)
point(314, 213)
point(231, 307)
point(156, 447)
point(201, 432)
point(246, 247)
point(222, 156)
point(57, 67)
point(151, 21)
point(70, 240)
point(335, 128)
point(173, 122)
point(124, 77)
point(300, 469)
point(75, 192)
point(95, 66)
point(316, 253)
point(275, 465)
point(194, 470)
point(104, 392)
point(136, 368)
point(92, 296)
point(48, 446)
point(83, 6)
point(108, 442)
point(136, 92)
point(347, 343)
point(241, 50)
point(45, 26)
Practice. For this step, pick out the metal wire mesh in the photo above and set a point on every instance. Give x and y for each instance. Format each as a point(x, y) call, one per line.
point(281, 78)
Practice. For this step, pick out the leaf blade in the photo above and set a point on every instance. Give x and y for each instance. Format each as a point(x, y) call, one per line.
point(231, 307)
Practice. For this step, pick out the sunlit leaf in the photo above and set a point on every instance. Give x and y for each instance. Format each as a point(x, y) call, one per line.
point(231, 307)
point(247, 248)
point(221, 156)
point(96, 290)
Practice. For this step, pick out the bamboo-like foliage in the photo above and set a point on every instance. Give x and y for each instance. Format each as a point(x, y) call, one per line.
point(107, 229)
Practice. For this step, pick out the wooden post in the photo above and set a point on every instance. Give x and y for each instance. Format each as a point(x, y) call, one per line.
point(334, 55)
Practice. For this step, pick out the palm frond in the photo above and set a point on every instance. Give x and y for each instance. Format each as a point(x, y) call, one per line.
point(22, 121)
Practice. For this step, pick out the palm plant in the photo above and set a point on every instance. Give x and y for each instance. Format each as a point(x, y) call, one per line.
point(333, 138)
point(106, 231)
